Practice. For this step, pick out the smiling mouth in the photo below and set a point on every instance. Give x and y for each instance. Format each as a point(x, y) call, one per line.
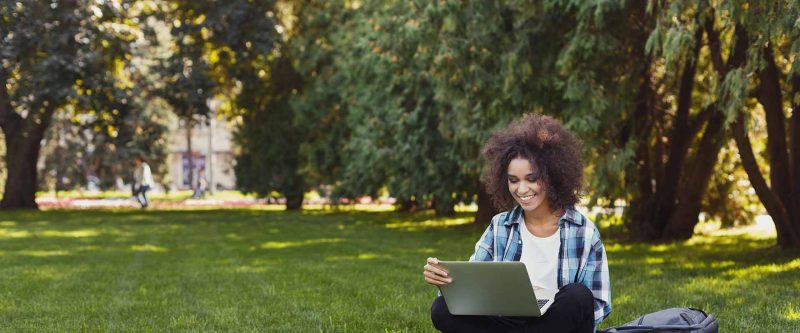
point(526, 197)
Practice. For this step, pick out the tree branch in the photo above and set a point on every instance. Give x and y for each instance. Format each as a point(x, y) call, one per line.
point(701, 118)
point(714, 46)
point(679, 138)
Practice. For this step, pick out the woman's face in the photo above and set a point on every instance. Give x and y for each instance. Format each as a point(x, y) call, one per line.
point(526, 186)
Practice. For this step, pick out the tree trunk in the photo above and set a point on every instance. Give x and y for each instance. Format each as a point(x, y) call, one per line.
point(21, 157)
point(794, 160)
point(486, 210)
point(777, 197)
point(655, 212)
point(794, 140)
point(685, 215)
point(294, 199)
point(189, 155)
point(23, 139)
point(444, 205)
point(646, 167)
point(770, 97)
point(788, 236)
point(408, 205)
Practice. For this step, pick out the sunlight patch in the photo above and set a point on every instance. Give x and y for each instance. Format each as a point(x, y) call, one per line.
point(792, 313)
point(14, 234)
point(8, 224)
point(654, 260)
point(430, 223)
point(362, 256)
point(35, 253)
point(250, 269)
point(755, 272)
point(723, 264)
point(660, 248)
point(72, 233)
point(89, 248)
point(148, 248)
point(52, 273)
point(614, 247)
point(655, 272)
point(622, 299)
point(283, 245)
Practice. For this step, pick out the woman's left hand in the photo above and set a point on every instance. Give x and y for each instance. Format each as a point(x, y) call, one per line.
point(434, 274)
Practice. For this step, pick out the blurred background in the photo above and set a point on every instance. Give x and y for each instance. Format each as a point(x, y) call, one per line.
point(687, 110)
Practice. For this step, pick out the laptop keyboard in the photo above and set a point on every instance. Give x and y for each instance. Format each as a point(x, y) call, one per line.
point(542, 302)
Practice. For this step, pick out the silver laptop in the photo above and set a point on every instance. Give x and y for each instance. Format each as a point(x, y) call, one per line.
point(493, 288)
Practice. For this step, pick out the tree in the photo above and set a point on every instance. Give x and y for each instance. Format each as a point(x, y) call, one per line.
point(80, 146)
point(367, 85)
point(756, 34)
point(771, 28)
point(218, 51)
point(52, 55)
point(269, 159)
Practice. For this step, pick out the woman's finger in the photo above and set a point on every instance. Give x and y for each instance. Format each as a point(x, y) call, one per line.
point(430, 276)
point(435, 282)
point(435, 269)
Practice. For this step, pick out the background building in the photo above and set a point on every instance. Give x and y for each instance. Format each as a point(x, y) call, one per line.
point(212, 150)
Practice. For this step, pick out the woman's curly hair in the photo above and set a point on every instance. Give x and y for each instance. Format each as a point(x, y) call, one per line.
point(554, 153)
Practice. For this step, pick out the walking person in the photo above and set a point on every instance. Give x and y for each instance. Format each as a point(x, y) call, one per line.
point(534, 171)
point(142, 181)
point(202, 185)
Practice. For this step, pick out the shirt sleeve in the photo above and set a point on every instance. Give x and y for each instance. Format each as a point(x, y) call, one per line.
point(597, 279)
point(484, 248)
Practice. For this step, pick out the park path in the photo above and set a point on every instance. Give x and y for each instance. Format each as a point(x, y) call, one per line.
point(115, 203)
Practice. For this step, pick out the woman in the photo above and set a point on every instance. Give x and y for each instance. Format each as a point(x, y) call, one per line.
point(534, 169)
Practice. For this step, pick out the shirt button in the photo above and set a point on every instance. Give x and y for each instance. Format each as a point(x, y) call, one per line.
point(519, 242)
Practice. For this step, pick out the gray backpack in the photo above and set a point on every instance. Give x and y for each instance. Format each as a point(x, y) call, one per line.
point(674, 320)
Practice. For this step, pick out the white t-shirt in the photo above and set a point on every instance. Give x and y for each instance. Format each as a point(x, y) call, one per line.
point(540, 256)
point(143, 176)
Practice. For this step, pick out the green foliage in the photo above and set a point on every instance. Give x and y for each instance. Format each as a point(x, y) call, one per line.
point(269, 158)
point(57, 53)
point(55, 56)
point(730, 198)
point(81, 146)
point(216, 49)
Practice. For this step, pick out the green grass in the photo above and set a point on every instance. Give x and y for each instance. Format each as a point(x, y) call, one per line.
point(256, 270)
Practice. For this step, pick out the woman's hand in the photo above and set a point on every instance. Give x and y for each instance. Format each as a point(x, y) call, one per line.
point(434, 274)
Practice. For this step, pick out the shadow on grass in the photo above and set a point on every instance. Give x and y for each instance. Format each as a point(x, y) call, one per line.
point(168, 265)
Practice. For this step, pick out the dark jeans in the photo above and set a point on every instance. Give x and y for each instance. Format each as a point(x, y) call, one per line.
point(572, 311)
point(141, 195)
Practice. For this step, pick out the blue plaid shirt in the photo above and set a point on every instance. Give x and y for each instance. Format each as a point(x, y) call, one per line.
point(581, 258)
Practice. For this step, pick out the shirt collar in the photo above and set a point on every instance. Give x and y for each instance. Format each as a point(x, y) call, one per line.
point(570, 215)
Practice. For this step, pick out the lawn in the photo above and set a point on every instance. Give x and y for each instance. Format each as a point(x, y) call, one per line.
point(315, 271)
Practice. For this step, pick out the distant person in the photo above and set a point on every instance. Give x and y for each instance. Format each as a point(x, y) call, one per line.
point(142, 182)
point(534, 170)
point(201, 186)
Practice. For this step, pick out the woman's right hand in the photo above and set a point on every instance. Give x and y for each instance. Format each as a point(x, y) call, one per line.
point(435, 274)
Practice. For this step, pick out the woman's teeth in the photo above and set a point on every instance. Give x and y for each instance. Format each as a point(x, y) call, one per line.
point(526, 197)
